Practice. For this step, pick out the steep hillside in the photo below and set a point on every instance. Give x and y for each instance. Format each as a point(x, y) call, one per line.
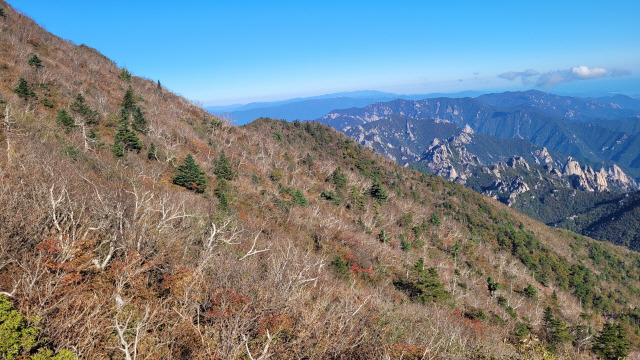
point(547, 186)
point(136, 224)
point(613, 217)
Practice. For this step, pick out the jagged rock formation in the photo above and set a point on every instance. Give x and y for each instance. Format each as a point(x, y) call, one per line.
point(585, 178)
point(507, 190)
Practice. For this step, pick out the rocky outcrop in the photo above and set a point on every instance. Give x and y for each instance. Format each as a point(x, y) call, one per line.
point(507, 190)
point(543, 156)
point(440, 159)
point(585, 178)
point(617, 177)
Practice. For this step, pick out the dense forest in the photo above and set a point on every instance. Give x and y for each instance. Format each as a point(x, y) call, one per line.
point(136, 225)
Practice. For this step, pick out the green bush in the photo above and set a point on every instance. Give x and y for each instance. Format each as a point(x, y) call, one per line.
point(23, 90)
point(424, 285)
point(21, 339)
point(63, 119)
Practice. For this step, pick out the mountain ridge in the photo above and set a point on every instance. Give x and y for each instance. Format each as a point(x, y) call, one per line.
point(292, 241)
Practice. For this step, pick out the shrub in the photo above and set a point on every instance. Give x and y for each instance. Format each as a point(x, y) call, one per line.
point(19, 337)
point(530, 292)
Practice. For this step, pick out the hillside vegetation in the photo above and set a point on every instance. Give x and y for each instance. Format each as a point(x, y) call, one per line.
point(134, 224)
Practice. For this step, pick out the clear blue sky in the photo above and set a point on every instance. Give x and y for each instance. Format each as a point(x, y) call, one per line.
point(222, 52)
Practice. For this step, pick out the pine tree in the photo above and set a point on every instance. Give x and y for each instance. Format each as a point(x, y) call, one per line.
point(556, 329)
point(125, 139)
point(378, 192)
point(139, 123)
point(426, 287)
point(151, 154)
point(221, 193)
point(190, 176)
point(35, 62)
point(81, 108)
point(63, 119)
point(117, 150)
point(223, 169)
point(612, 343)
point(23, 90)
point(339, 179)
point(2, 13)
point(124, 75)
point(128, 101)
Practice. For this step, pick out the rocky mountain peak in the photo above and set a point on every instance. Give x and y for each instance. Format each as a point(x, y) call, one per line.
point(617, 177)
point(518, 160)
point(544, 155)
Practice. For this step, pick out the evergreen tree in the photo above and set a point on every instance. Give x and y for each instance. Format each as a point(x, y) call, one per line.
point(556, 329)
point(139, 123)
point(2, 13)
point(339, 179)
point(424, 285)
point(190, 176)
point(221, 193)
point(35, 62)
point(357, 200)
point(151, 154)
point(23, 90)
point(128, 101)
point(428, 287)
point(377, 191)
point(63, 119)
point(117, 150)
point(612, 343)
point(80, 107)
point(124, 75)
point(223, 169)
point(125, 139)
point(307, 161)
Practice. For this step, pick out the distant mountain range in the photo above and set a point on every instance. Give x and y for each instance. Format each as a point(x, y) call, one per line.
point(310, 108)
point(572, 126)
point(521, 148)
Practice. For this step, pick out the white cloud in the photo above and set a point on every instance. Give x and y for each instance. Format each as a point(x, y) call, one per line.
point(552, 78)
point(584, 72)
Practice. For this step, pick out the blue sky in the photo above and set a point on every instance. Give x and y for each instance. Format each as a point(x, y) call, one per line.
point(223, 52)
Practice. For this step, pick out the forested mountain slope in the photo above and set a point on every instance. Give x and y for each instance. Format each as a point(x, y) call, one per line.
point(136, 224)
